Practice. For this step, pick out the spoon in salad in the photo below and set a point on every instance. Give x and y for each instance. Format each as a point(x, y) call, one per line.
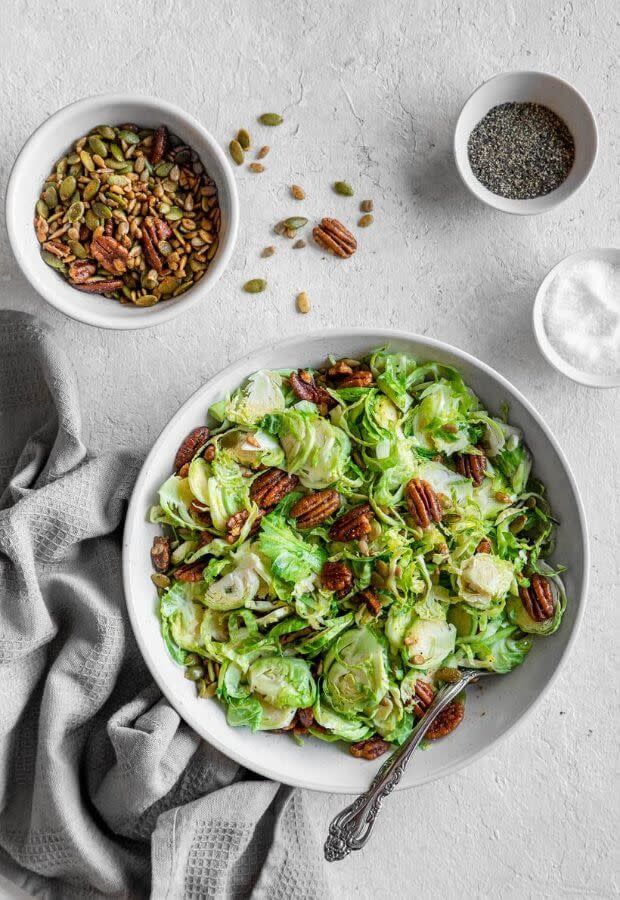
point(352, 827)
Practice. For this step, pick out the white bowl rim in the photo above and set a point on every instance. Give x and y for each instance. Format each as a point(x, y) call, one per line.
point(545, 346)
point(505, 204)
point(135, 515)
point(147, 317)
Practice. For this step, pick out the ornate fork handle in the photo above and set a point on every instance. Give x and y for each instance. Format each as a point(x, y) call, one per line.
point(351, 828)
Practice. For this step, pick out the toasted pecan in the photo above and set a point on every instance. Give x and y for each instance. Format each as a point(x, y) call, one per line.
point(190, 446)
point(369, 749)
point(100, 287)
point(271, 486)
point(313, 509)
point(422, 502)
point(336, 576)
point(191, 572)
point(160, 554)
point(159, 145)
point(370, 599)
point(471, 465)
point(352, 525)
point(333, 236)
point(305, 387)
point(447, 720)
point(109, 253)
point(423, 697)
point(81, 270)
point(485, 546)
point(538, 598)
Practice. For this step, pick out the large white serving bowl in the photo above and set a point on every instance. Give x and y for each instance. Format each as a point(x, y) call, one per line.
point(50, 142)
point(504, 700)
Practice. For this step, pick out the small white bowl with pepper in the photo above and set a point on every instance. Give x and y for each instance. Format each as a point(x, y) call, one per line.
point(122, 211)
point(525, 141)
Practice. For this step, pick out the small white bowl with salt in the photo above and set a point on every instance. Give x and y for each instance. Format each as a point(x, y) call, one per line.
point(577, 317)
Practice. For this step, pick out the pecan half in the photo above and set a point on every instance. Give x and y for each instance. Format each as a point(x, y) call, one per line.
point(191, 572)
point(57, 248)
point(353, 525)
point(235, 524)
point(471, 465)
point(200, 513)
point(111, 255)
point(337, 577)
point(100, 287)
point(305, 717)
point(360, 379)
point(159, 145)
point(422, 699)
point(305, 387)
point(154, 230)
point(160, 554)
point(333, 236)
point(485, 546)
point(313, 509)
point(446, 721)
point(81, 270)
point(369, 597)
point(538, 598)
point(422, 502)
point(209, 453)
point(271, 486)
point(369, 749)
point(190, 446)
point(346, 374)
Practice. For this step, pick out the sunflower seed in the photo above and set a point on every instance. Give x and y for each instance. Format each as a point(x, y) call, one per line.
point(303, 302)
point(256, 167)
point(262, 153)
point(366, 220)
point(268, 251)
point(298, 192)
point(299, 244)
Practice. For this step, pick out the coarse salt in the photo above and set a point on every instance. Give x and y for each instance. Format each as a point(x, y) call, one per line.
point(581, 316)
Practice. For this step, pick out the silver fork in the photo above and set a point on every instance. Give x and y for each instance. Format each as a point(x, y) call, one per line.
point(352, 827)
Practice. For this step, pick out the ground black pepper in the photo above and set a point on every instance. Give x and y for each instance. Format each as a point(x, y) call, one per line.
point(521, 150)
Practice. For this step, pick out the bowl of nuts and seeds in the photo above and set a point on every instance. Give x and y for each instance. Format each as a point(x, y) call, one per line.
point(123, 224)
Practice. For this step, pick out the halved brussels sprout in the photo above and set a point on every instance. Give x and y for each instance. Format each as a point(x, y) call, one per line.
point(484, 578)
point(261, 395)
point(235, 589)
point(316, 450)
point(389, 717)
point(428, 642)
point(175, 497)
point(355, 671)
point(274, 718)
point(283, 681)
point(181, 616)
point(252, 448)
point(339, 725)
point(499, 647)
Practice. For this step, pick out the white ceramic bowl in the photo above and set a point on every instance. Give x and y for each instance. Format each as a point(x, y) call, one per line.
point(604, 254)
point(532, 87)
point(36, 160)
point(329, 767)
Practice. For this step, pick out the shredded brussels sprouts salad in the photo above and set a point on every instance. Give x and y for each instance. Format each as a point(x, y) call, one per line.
point(337, 541)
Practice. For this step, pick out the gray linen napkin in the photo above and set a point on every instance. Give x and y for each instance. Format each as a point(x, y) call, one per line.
point(104, 791)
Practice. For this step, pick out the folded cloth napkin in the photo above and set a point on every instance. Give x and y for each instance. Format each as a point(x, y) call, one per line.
point(104, 790)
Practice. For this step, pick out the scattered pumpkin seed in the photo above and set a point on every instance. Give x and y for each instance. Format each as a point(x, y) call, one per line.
point(367, 206)
point(256, 167)
point(268, 251)
point(116, 164)
point(163, 169)
point(243, 138)
point(270, 119)
point(160, 581)
point(106, 131)
point(174, 214)
point(101, 210)
point(53, 261)
point(98, 146)
point(87, 161)
point(42, 209)
point(130, 137)
point(255, 286)
point(164, 248)
point(61, 166)
point(117, 153)
point(303, 303)
point(236, 151)
point(366, 220)
point(91, 219)
point(343, 188)
point(50, 195)
point(118, 180)
point(75, 211)
point(262, 153)
point(295, 222)
point(73, 158)
point(168, 285)
point(78, 249)
point(146, 300)
point(91, 189)
point(67, 187)
point(298, 192)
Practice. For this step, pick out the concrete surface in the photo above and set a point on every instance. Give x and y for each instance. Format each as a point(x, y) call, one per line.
point(370, 92)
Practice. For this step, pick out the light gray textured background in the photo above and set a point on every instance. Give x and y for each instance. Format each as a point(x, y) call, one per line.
point(370, 91)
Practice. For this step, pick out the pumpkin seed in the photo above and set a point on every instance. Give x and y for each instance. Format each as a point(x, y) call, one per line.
point(295, 222)
point(128, 136)
point(366, 220)
point(146, 300)
point(255, 286)
point(163, 169)
point(98, 146)
point(164, 248)
point(91, 219)
point(160, 581)
point(61, 166)
point(91, 189)
point(67, 187)
point(118, 180)
point(174, 214)
point(343, 188)
point(270, 119)
point(170, 186)
point(168, 285)
point(102, 211)
point(236, 151)
point(78, 249)
point(75, 211)
point(117, 165)
point(106, 131)
point(140, 164)
point(42, 209)
point(53, 261)
point(243, 138)
point(117, 153)
point(87, 161)
point(144, 175)
point(73, 159)
point(175, 173)
point(50, 195)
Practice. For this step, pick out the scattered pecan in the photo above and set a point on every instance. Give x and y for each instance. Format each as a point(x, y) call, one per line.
point(423, 697)
point(422, 502)
point(191, 572)
point(305, 387)
point(333, 236)
point(337, 577)
point(154, 230)
point(190, 446)
point(183, 471)
point(57, 248)
point(471, 465)
point(111, 255)
point(81, 270)
point(235, 524)
point(369, 749)
point(100, 287)
point(160, 554)
point(313, 509)
point(42, 228)
point(205, 538)
point(485, 546)
point(199, 512)
point(538, 598)
point(352, 525)
point(108, 227)
point(345, 374)
point(305, 717)
point(209, 453)
point(446, 721)
point(360, 379)
point(369, 597)
point(159, 145)
point(271, 486)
